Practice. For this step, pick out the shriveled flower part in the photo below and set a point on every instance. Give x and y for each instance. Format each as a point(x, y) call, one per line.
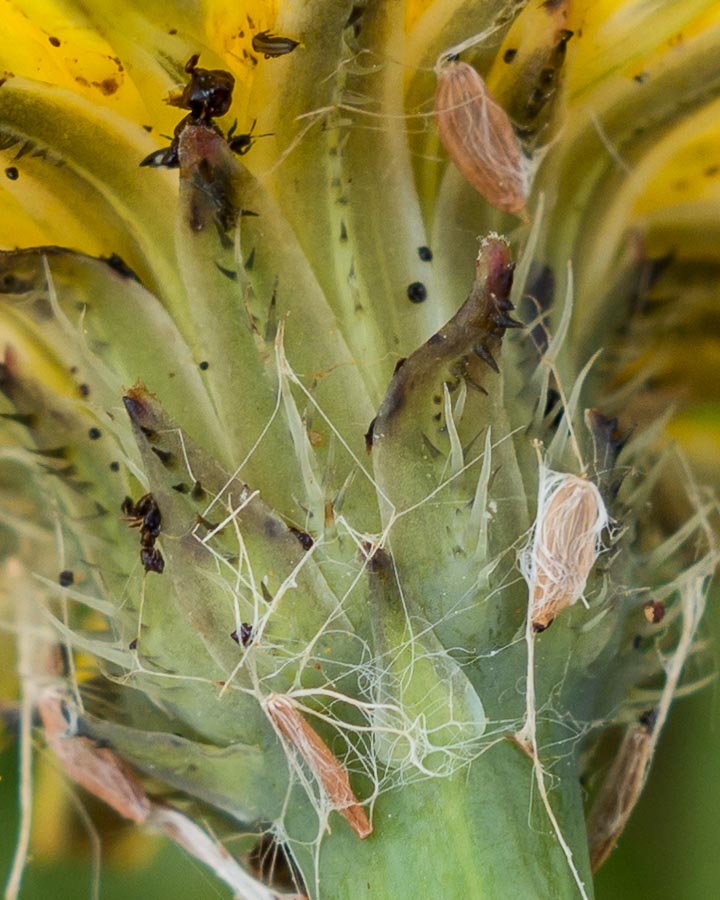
point(564, 544)
point(479, 138)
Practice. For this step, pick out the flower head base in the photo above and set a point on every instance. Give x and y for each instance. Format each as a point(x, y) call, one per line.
point(308, 631)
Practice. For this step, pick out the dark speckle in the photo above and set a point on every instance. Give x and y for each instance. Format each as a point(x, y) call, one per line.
point(509, 55)
point(114, 466)
point(425, 254)
point(417, 292)
point(118, 264)
point(54, 41)
point(12, 173)
point(165, 456)
point(305, 540)
point(244, 636)
point(107, 86)
point(172, 31)
point(66, 578)
point(204, 365)
point(94, 434)
point(84, 390)
point(711, 170)
point(369, 434)
point(133, 644)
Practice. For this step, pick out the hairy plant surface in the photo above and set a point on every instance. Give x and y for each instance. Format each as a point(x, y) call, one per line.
point(342, 537)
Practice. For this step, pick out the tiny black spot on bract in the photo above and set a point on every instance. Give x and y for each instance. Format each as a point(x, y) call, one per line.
point(94, 434)
point(509, 55)
point(84, 390)
point(425, 253)
point(54, 41)
point(12, 173)
point(417, 292)
point(204, 365)
point(133, 644)
point(114, 466)
point(66, 578)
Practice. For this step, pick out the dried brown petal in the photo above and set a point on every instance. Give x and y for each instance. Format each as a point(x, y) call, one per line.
point(619, 793)
point(95, 768)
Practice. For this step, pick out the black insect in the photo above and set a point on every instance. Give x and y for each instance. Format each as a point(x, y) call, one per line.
point(207, 95)
point(244, 635)
point(271, 45)
point(145, 515)
point(241, 143)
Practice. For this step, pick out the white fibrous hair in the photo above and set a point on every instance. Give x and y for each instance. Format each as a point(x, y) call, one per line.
point(564, 543)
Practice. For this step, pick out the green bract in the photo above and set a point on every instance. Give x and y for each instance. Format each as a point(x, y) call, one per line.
point(300, 433)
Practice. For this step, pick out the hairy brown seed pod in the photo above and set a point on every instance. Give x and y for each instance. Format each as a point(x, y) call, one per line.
point(479, 138)
point(565, 543)
point(320, 760)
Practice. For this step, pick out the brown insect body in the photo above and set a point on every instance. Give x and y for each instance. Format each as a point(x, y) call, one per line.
point(479, 138)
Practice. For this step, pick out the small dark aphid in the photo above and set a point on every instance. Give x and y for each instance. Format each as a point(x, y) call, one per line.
point(271, 45)
point(12, 173)
point(244, 635)
point(204, 365)
point(66, 578)
point(145, 515)
point(241, 143)
point(305, 540)
point(152, 560)
point(425, 254)
point(94, 434)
